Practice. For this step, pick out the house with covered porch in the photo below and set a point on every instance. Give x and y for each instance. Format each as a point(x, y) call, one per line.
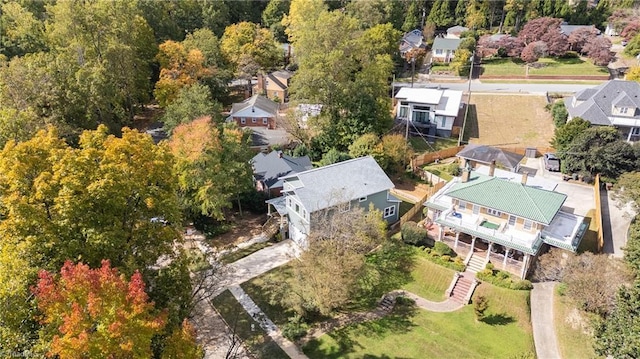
point(505, 222)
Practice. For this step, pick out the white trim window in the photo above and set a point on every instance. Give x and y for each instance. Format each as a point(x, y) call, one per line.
point(512, 220)
point(254, 120)
point(389, 211)
point(362, 199)
point(635, 131)
point(527, 225)
point(265, 121)
point(243, 120)
point(462, 205)
point(493, 212)
point(476, 209)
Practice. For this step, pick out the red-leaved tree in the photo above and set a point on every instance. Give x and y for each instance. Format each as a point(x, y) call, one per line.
point(580, 37)
point(631, 30)
point(92, 313)
point(533, 51)
point(512, 45)
point(599, 51)
point(546, 29)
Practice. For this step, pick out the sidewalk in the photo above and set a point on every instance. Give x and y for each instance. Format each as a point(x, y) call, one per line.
point(258, 315)
point(544, 333)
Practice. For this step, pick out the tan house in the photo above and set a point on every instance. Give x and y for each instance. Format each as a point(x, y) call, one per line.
point(502, 221)
point(256, 111)
point(274, 86)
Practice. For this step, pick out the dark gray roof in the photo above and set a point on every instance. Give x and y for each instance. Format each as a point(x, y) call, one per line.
point(598, 101)
point(258, 101)
point(568, 29)
point(486, 154)
point(283, 74)
point(275, 80)
point(446, 44)
point(328, 186)
point(270, 167)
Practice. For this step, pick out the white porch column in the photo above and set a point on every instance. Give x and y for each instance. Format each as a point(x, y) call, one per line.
point(506, 255)
point(629, 135)
point(489, 252)
point(455, 244)
point(473, 243)
point(525, 264)
point(440, 233)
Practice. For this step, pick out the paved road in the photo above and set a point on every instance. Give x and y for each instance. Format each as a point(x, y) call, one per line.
point(544, 333)
point(477, 86)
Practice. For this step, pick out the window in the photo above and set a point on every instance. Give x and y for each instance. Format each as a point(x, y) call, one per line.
point(422, 108)
point(438, 51)
point(462, 205)
point(493, 212)
point(243, 120)
point(420, 117)
point(289, 202)
point(362, 199)
point(344, 207)
point(527, 225)
point(297, 208)
point(512, 220)
point(265, 121)
point(635, 131)
point(444, 122)
point(476, 209)
point(624, 109)
point(253, 120)
point(304, 214)
point(403, 111)
point(390, 211)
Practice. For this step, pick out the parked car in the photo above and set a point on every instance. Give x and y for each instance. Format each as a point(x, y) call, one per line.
point(551, 162)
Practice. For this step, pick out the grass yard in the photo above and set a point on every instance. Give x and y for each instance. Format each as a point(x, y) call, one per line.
point(419, 144)
point(590, 239)
point(243, 252)
point(261, 290)
point(553, 67)
point(573, 330)
point(440, 170)
point(430, 280)
point(414, 333)
point(257, 341)
point(509, 120)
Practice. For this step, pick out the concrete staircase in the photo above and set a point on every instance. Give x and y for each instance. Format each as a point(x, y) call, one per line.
point(463, 286)
point(476, 263)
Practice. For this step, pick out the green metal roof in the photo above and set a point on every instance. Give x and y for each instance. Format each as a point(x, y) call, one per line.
point(536, 204)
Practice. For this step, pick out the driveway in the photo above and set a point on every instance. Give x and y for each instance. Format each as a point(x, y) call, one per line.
point(580, 196)
point(544, 333)
point(616, 219)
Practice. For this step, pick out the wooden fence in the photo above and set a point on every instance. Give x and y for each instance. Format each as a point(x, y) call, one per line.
point(420, 204)
point(424, 158)
point(598, 219)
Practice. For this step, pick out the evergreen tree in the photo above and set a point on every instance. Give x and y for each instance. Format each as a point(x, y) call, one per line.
point(440, 14)
point(461, 12)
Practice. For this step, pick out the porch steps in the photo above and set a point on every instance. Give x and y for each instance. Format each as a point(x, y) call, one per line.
point(462, 287)
point(476, 263)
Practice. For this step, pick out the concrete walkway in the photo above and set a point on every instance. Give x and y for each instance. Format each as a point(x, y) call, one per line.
point(615, 224)
point(448, 305)
point(258, 263)
point(544, 333)
point(265, 323)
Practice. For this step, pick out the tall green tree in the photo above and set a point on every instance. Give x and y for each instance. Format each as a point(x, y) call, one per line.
point(476, 14)
point(617, 335)
point(460, 12)
point(272, 18)
point(412, 16)
point(20, 31)
point(564, 134)
point(192, 102)
point(440, 14)
point(213, 165)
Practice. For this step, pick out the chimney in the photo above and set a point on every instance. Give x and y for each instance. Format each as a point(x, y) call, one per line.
point(492, 168)
point(525, 175)
point(466, 172)
point(279, 154)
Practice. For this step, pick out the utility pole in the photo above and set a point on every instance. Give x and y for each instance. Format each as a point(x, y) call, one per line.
point(413, 69)
point(466, 110)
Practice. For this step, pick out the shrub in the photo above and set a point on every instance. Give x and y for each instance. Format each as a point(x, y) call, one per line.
point(295, 329)
point(412, 234)
point(446, 258)
point(559, 113)
point(453, 169)
point(480, 305)
point(522, 285)
point(490, 266)
point(442, 249)
point(503, 279)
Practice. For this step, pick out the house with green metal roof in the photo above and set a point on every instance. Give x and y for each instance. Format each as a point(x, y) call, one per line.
point(508, 218)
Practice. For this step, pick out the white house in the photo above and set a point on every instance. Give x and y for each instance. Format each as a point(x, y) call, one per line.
point(430, 111)
point(443, 49)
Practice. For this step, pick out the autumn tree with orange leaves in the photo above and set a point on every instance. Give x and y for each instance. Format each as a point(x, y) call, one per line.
point(98, 313)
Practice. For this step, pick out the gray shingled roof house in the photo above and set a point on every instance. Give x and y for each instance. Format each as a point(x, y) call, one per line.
point(443, 49)
point(612, 103)
point(268, 170)
point(486, 154)
point(411, 40)
point(343, 185)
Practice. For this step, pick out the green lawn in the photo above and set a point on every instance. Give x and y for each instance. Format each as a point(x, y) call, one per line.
point(554, 67)
point(243, 252)
point(257, 340)
point(430, 280)
point(419, 144)
point(261, 290)
point(572, 329)
point(414, 333)
point(439, 170)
